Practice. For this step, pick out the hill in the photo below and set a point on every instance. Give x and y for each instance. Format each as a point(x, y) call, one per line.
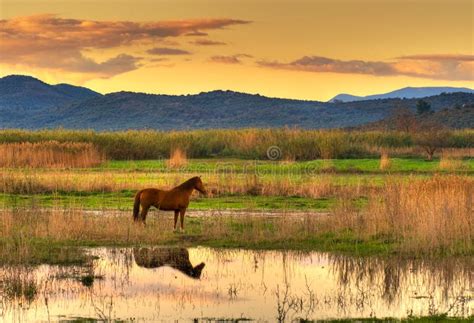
point(26, 91)
point(32, 104)
point(407, 92)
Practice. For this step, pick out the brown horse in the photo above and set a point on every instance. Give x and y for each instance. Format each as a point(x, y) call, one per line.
point(176, 199)
point(177, 258)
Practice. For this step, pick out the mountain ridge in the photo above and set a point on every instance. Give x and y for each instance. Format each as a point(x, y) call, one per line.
point(406, 92)
point(73, 107)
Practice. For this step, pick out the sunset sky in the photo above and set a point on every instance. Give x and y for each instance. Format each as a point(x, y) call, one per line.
point(294, 49)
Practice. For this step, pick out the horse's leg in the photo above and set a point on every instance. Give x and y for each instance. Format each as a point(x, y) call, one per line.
point(144, 212)
point(181, 218)
point(176, 213)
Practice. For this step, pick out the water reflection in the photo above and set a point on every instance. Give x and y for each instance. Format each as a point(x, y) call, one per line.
point(160, 284)
point(177, 258)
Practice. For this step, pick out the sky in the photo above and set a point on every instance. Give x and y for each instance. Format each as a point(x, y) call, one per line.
point(293, 49)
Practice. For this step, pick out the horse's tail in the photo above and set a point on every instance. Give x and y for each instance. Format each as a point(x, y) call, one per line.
point(136, 206)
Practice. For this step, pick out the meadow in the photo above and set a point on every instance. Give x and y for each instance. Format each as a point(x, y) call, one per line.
point(390, 196)
point(372, 197)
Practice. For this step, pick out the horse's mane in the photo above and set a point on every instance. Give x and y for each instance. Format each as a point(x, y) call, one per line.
point(190, 183)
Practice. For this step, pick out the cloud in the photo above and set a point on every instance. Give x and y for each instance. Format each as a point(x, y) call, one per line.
point(439, 57)
point(444, 67)
point(167, 51)
point(196, 33)
point(49, 41)
point(232, 59)
point(207, 42)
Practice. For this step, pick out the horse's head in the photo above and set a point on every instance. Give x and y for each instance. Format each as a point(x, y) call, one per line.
point(199, 186)
point(196, 273)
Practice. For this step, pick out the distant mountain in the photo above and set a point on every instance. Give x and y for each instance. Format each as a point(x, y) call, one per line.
point(407, 92)
point(28, 92)
point(29, 103)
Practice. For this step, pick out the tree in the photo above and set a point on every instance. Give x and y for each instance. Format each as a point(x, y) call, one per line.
point(431, 136)
point(422, 107)
point(403, 119)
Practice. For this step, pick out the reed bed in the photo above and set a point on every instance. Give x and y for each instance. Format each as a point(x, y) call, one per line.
point(429, 215)
point(58, 182)
point(295, 144)
point(50, 154)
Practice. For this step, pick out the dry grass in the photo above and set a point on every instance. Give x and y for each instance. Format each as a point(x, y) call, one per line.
point(177, 159)
point(425, 216)
point(452, 159)
point(385, 162)
point(51, 154)
point(21, 229)
point(430, 215)
point(315, 186)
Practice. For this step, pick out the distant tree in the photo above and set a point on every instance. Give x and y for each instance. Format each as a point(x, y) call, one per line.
point(403, 119)
point(422, 107)
point(431, 136)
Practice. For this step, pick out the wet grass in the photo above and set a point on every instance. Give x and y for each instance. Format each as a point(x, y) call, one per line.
point(35, 251)
point(124, 201)
point(57, 236)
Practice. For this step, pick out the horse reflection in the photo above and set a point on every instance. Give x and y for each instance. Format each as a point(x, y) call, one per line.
point(177, 258)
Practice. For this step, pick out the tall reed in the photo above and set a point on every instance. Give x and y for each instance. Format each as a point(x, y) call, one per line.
point(425, 215)
point(51, 154)
point(295, 144)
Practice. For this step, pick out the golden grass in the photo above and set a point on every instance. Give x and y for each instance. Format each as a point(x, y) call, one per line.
point(385, 162)
point(430, 215)
point(22, 229)
point(51, 154)
point(51, 181)
point(420, 216)
point(452, 159)
point(177, 159)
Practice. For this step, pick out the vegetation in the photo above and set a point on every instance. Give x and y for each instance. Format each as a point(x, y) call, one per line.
point(422, 107)
point(51, 154)
point(294, 144)
point(425, 216)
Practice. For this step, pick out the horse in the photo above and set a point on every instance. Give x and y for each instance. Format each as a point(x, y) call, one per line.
point(177, 258)
point(176, 199)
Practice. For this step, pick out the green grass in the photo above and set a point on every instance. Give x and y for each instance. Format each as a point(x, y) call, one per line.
point(398, 165)
point(124, 201)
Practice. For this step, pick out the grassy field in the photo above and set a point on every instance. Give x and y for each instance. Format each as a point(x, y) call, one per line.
point(123, 201)
point(372, 165)
point(67, 189)
point(415, 208)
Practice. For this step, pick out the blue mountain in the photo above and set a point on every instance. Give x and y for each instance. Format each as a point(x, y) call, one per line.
point(406, 92)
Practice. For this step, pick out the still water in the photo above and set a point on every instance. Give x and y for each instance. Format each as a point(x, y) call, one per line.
point(163, 284)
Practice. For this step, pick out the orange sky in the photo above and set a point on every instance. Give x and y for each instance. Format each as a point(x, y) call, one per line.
point(296, 49)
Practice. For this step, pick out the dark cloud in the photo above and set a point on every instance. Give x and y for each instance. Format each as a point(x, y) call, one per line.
point(324, 64)
point(207, 42)
point(445, 67)
point(440, 57)
point(196, 34)
point(167, 51)
point(232, 59)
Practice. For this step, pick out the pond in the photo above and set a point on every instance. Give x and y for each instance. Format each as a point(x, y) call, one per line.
point(163, 284)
